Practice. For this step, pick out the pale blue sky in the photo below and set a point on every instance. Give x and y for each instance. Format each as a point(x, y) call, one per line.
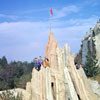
point(24, 25)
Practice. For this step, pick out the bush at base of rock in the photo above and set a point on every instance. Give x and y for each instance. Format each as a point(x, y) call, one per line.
point(10, 95)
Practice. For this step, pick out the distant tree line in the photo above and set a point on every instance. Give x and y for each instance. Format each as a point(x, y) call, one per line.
point(15, 74)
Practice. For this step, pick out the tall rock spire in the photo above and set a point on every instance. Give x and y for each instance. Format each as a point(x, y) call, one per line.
point(50, 49)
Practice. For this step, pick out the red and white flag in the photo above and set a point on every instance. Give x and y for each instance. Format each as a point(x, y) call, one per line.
point(51, 11)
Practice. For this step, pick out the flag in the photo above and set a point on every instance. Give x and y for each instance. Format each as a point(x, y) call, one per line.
point(51, 11)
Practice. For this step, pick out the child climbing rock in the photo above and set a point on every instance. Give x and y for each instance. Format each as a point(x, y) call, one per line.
point(76, 65)
point(46, 63)
point(36, 63)
point(49, 95)
point(40, 60)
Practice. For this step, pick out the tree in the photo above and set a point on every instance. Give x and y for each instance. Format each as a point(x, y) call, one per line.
point(0, 61)
point(14, 74)
point(91, 66)
point(4, 62)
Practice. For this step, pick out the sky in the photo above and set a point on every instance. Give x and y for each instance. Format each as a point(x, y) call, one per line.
point(24, 25)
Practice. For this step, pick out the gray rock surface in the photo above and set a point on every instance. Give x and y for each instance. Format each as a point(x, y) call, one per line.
point(91, 42)
point(95, 87)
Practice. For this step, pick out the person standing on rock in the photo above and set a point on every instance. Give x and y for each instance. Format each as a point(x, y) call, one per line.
point(46, 63)
point(81, 66)
point(40, 62)
point(36, 63)
point(49, 95)
point(76, 65)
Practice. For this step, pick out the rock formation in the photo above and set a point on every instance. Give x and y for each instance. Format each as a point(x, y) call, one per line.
point(61, 81)
point(37, 86)
point(54, 53)
point(64, 81)
point(95, 87)
point(90, 42)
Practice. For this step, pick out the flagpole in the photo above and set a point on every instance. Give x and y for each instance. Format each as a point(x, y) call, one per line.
point(50, 22)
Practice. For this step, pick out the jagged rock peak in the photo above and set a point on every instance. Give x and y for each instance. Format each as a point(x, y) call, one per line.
point(51, 37)
point(50, 49)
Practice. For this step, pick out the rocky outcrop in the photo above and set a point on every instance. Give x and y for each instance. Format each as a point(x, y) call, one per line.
point(91, 42)
point(54, 53)
point(61, 81)
point(37, 86)
point(95, 86)
point(97, 40)
point(71, 93)
point(81, 83)
point(50, 51)
point(65, 77)
point(25, 95)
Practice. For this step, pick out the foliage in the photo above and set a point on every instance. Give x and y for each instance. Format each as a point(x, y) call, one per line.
point(14, 74)
point(21, 82)
point(91, 67)
point(3, 62)
point(9, 95)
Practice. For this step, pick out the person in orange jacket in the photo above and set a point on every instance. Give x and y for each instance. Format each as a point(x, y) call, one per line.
point(46, 63)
